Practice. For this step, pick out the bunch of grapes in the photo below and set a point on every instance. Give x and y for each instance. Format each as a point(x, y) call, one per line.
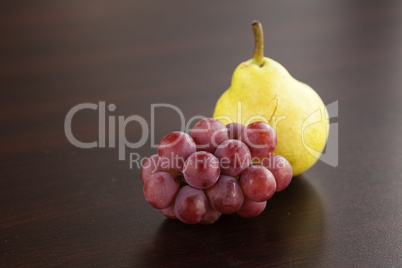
point(216, 170)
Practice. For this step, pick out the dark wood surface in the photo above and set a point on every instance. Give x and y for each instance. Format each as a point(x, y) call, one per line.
point(65, 206)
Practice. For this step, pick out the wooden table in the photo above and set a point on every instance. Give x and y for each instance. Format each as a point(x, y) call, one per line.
point(65, 206)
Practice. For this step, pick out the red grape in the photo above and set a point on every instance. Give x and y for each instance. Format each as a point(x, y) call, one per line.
point(280, 168)
point(169, 212)
point(217, 170)
point(234, 157)
point(191, 205)
point(161, 189)
point(251, 209)
point(261, 138)
point(211, 216)
point(235, 130)
point(258, 183)
point(226, 195)
point(201, 170)
point(208, 133)
point(176, 147)
point(151, 166)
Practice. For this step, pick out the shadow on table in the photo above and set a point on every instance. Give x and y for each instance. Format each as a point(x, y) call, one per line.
point(290, 231)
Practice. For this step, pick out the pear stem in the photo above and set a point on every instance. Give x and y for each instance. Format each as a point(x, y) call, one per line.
point(258, 56)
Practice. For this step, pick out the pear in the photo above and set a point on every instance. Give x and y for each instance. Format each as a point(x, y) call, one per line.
point(263, 90)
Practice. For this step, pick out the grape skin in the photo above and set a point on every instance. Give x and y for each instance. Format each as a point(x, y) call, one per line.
point(208, 133)
point(151, 166)
point(191, 205)
point(261, 138)
point(280, 168)
point(234, 157)
point(251, 209)
point(226, 195)
point(175, 148)
point(169, 212)
point(258, 183)
point(212, 216)
point(160, 190)
point(201, 170)
point(235, 130)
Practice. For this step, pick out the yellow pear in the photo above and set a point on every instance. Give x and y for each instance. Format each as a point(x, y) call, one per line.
point(263, 90)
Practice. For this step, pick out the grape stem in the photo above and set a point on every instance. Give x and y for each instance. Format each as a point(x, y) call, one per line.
point(182, 181)
point(258, 56)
